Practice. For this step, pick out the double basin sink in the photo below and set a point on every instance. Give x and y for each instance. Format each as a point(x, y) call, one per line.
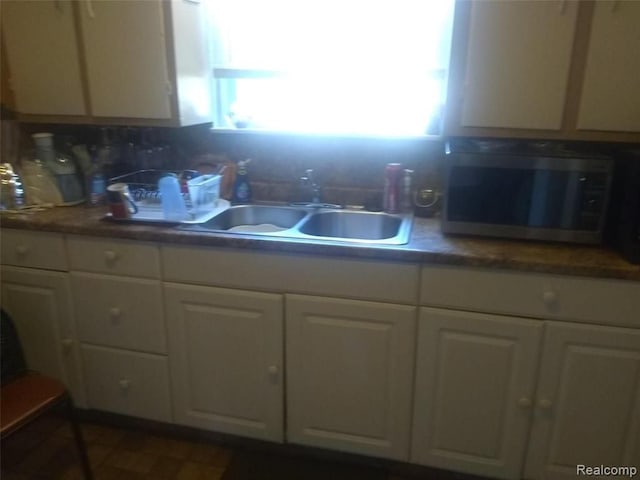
point(320, 224)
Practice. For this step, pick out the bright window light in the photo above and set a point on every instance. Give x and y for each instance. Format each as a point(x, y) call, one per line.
point(345, 67)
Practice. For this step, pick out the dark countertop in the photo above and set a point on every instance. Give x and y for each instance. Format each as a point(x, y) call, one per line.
point(427, 245)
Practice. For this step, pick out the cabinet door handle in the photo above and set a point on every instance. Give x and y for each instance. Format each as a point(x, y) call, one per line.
point(273, 372)
point(545, 404)
point(67, 343)
point(115, 313)
point(525, 402)
point(550, 298)
point(22, 250)
point(124, 384)
point(563, 6)
point(90, 11)
point(110, 256)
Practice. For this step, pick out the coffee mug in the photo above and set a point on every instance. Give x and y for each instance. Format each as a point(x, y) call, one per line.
point(120, 201)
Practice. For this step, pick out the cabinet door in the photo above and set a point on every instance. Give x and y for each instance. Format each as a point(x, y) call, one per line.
point(588, 401)
point(350, 375)
point(475, 380)
point(518, 62)
point(612, 76)
point(39, 303)
point(42, 53)
point(126, 57)
point(225, 354)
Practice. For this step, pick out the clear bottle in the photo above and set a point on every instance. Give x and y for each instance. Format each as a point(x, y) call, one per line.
point(97, 183)
point(406, 202)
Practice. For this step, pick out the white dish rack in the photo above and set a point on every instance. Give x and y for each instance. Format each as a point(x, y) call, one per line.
point(201, 196)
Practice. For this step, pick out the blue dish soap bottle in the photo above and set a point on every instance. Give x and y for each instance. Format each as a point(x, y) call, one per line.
point(242, 187)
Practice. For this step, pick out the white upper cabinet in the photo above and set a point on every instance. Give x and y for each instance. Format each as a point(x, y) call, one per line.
point(126, 57)
point(610, 93)
point(43, 57)
point(117, 61)
point(519, 55)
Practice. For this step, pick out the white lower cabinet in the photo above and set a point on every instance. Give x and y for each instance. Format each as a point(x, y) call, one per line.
point(495, 394)
point(226, 358)
point(475, 382)
point(475, 409)
point(588, 401)
point(39, 303)
point(125, 382)
point(350, 375)
point(117, 299)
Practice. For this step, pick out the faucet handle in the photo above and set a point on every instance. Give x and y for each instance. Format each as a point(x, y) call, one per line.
point(307, 178)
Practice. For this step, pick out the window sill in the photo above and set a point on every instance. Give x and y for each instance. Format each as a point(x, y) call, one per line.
point(324, 135)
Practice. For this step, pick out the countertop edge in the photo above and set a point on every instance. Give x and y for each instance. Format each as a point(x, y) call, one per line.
point(427, 245)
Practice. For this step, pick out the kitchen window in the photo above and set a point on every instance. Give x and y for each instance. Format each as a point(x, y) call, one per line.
point(376, 67)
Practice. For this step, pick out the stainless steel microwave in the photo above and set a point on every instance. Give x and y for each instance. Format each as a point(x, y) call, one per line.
point(526, 190)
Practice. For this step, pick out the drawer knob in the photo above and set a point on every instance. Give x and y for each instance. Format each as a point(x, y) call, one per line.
point(274, 372)
point(545, 404)
point(124, 384)
point(67, 343)
point(110, 256)
point(549, 298)
point(115, 313)
point(525, 402)
point(22, 250)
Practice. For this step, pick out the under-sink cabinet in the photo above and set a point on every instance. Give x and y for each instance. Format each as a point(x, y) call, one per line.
point(227, 359)
point(36, 293)
point(349, 360)
point(350, 374)
point(117, 297)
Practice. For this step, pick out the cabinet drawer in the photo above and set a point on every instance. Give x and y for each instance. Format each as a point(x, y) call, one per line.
point(128, 383)
point(119, 312)
point(37, 250)
point(607, 302)
point(118, 257)
point(334, 277)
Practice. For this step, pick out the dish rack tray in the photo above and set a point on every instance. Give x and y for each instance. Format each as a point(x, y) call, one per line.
point(201, 195)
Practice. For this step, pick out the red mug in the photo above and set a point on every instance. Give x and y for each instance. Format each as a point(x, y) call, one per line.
point(120, 202)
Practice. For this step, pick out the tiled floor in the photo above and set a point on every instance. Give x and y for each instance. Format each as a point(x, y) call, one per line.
point(45, 450)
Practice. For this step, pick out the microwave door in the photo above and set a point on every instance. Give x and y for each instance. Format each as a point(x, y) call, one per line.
point(572, 200)
point(540, 200)
point(555, 199)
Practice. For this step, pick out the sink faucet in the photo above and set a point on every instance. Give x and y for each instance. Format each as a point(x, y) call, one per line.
point(308, 180)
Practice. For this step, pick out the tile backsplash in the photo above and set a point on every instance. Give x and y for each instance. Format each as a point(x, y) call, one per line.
point(350, 169)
